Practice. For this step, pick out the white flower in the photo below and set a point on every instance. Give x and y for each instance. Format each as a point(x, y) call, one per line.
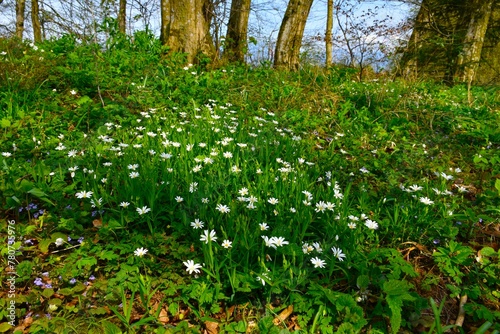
point(59, 242)
point(318, 247)
point(426, 201)
point(320, 206)
point(227, 244)
point(222, 208)
point(263, 226)
point(318, 263)
point(84, 194)
point(351, 225)
point(227, 155)
point(415, 188)
point(197, 224)
point(192, 267)
point(268, 241)
point(337, 252)
point(73, 92)
point(279, 241)
point(208, 236)
point(143, 210)
point(133, 175)
point(272, 201)
point(179, 199)
point(243, 191)
point(133, 167)
point(140, 252)
point(6, 154)
point(371, 224)
point(204, 200)
point(364, 170)
point(72, 153)
point(124, 204)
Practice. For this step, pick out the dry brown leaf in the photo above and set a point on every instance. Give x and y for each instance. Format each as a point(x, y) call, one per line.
point(97, 223)
point(212, 327)
point(283, 315)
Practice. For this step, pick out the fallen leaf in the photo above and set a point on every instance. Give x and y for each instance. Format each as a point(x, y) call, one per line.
point(212, 327)
point(283, 315)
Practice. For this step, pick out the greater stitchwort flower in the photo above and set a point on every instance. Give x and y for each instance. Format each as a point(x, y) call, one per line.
point(192, 267)
point(140, 252)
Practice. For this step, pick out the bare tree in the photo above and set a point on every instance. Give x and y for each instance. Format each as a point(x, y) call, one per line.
point(468, 59)
point(237, 31)
point(287, 54)
point(35, 21)
point(328, 34)
point(185, 27)
point(20, 8)
point(122, 17)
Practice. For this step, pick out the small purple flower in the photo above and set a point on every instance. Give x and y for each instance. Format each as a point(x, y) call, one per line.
point(32, 206)
point(35, 215)
point(72, 281)
point(94, 213)
point(48, 286)
point(28, 242)
point(48, 316)
point(68, 207)
point(80, 240)
point(38, 281)
point(46, 274)
point(69, 238)
point(86, 283)
point(92, 277)
point(480, 220)
point(21, 209)
point(436, 241)
point(458, 223)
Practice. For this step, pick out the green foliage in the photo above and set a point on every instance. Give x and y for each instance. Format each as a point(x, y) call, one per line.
point(117, 148)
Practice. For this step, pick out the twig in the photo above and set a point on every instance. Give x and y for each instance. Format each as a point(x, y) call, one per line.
point(65, 249)
point(461, 311)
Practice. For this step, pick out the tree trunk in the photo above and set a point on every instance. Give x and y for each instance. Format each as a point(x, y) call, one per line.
point(290, 35)
point(468, 60)
point(328, 34)
point(237, 27)
point(185, 27)
point(20, 7)
point(35, 21)
point(122, 17)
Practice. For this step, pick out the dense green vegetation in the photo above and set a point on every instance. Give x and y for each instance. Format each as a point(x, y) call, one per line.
point(142, 194)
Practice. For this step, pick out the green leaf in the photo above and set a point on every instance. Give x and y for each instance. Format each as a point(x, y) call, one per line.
point(497, 185)
point(65, 291)
point(44, 245)
point(47, 293)
point(4, 327)
point(488, 251)
point(5, 123)
point(110, 328)
point(363, 281)
point(55, 301)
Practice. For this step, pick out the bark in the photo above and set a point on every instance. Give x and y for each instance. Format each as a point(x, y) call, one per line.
point(20, 7)
point(122, 17)
point(237, 29)
point(35, 21)
point(185, 27)
point(469, 58)
point(328, 34)
point(287, 54)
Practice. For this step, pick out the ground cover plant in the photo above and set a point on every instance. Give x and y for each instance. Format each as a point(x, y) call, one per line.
point(143, 194)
